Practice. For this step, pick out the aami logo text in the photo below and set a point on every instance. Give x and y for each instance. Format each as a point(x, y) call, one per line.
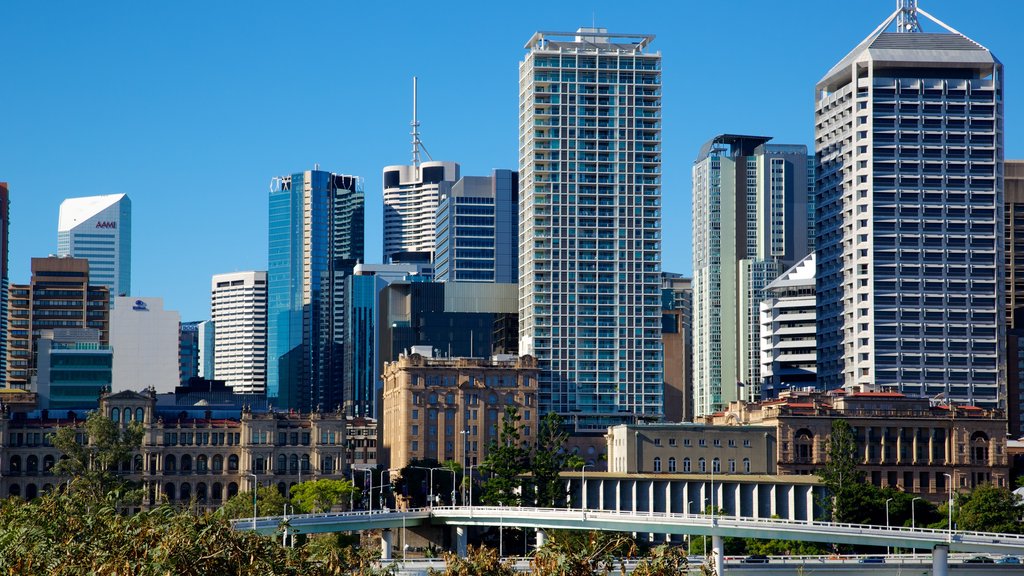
point(104, 224)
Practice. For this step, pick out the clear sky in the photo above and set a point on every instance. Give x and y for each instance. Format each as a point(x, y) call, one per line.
point(191, 107)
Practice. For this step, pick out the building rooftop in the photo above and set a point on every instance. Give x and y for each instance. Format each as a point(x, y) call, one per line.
point(74, 211)
point(589, 39)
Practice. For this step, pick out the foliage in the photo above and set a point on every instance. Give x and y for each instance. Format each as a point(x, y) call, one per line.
point(334, 554)
point(548, 460)
point(841, 477)
point(989, 508)
point(576, 553)
point(321, 495)
point(269, 502)
point(663, 560)
point(108, 445)
point(479, 561)
point(506, 461)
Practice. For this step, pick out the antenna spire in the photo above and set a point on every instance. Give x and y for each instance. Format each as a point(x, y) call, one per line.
point(416, 143)
point(906, 20)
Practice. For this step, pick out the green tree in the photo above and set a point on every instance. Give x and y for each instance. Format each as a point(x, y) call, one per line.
point(663, 560)
point(548, 460)
point(840, 475)
point(577, 553)
point(479, 561)
point(94, 465)
point(506, 462)
point(269, 502)
point(321, 495)
point(989, 508)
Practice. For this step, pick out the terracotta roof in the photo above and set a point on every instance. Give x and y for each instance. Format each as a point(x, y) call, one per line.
point(878, 395)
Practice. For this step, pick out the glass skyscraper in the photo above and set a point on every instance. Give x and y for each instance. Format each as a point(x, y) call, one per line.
point(99, 229)
point(590, 224)
point(316, 237)
point(910, 280)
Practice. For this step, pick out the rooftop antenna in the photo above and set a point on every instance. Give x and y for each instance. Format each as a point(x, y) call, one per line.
point(906, 20)
point(416, 143)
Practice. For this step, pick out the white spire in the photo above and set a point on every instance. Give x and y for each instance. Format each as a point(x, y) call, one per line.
point(906, 20)
point(416, 143)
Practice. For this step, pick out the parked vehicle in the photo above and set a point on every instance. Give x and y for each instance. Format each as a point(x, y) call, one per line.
point(756, 559)
point(979, 560)
point(872, 560)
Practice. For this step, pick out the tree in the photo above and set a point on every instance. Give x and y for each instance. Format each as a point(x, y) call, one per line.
point(989, 508)
point(575, 553)
point(506, 461)
point(548, 460)
point(479, 561)
point(321, 495)
point(108, 445)
point(840, 475)
point(269, 502)
point(663, 560)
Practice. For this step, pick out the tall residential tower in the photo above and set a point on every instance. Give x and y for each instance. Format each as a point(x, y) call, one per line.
point(590, 224)
point(238, 308)
point(99, 229)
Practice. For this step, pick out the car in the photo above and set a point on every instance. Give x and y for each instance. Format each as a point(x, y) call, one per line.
point(1008, 560)
point(872, 560)
point(979, 560)
point(756, 559)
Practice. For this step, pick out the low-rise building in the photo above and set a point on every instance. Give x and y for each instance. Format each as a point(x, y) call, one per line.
point(687, 448)
point(451, 408)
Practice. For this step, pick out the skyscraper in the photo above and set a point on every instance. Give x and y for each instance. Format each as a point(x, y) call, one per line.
point(238, 308)
point(910, 283)
point(316, 237)
point(788, 331)
point(99, 229)
point(590, 223)
point(5, 282)
point(145, 338)
point(477, 230)
point(1013, 212)
point(750, 223)
point(411, 195)
point(677, 343)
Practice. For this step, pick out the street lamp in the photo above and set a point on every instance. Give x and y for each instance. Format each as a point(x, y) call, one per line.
point(369, 472)
point(913, 516)
point(950, 506)
point(887, 549)
point(382, 487)
point(470, 470)
point(465, 460)
point(254, 486)
point(430, 489)
point(583, 485)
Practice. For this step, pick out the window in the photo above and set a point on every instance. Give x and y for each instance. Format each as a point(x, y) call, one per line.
point(671, 441)
point(702, 442)
point(672, 464)
point(718, 441)
point(732, 443)
point(657, 464)
point(732, 466)
point(702, 465)
point(716, 465)
point(746, 443)
point(657, 441)
point(686, 464)
point(746, 465)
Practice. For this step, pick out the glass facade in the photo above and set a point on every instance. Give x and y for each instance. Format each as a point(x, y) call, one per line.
point(476, 230)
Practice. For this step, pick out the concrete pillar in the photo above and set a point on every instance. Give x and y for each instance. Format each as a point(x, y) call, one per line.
point(882, 444)
point(600, 494)
point(931, 446)
point(899, 451)
point(718, 554)
point(773, 507)
point(792, 503)
point(756, 497)
point(461, 537)
point(940, 560)
point(541, 539)
point(810, 504)
point(386, 537)
point(913, 457)
point(737, 500)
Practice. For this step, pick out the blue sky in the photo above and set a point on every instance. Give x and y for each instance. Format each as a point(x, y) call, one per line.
point(191, 107)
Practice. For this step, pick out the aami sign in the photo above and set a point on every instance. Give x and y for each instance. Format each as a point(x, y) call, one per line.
point(106, 224)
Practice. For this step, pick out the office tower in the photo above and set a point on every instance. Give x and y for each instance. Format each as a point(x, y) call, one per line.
point(1014, 245)
point(5, 283)
point(188, 351)
point(788, 330)
point(238, 308)
point(316, 237)
point(677, 343)
point(910, 281)
point(144, 337)
point(74, 368)
point(590, 224)
point(99, 228)
point(206, 349)
point(59, 296)
point(750, 223)
point(411, 196)
point(477, 230)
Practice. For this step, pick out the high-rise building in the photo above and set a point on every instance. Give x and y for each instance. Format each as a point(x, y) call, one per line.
point(99, 228)
point(590, 224)
point(750, 223)
point(677, 343)
point(59, 297)
point(74, 368)
point(477, 230)
point(316, 238)
point(206, 349)
point(145, 339)
point(788, 330)
point(910, 282)
point(188, 351)
point(1013, 203)
point(238, 308)
point(5, 282)
point(411, 196)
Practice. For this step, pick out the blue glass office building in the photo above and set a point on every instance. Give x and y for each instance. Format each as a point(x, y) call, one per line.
point(476, 230)
point(316, 237)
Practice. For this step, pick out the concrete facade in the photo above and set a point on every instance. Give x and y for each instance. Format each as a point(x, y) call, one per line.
point(144, 337)
point(691, 448)
point(238, 308)
point(99, 229)
point(411, 196)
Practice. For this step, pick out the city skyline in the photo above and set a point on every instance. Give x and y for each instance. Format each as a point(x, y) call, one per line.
point(186, 120)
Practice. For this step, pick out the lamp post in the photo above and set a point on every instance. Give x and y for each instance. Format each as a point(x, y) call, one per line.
point(887, 548)
point(470, 470)
point(382, 487)
point(913, 515)
point(255, 480)
point(583, 485)
point(454, 484)
point(950, 506)
point(430, 489)
point(369, 472)
point(465, 460)
point(284, 537)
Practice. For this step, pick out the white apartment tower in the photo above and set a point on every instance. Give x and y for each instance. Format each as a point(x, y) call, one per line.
point(910, 284)
point(99, 229)
point(788, 331)
point(590, 224)
point(238, 309)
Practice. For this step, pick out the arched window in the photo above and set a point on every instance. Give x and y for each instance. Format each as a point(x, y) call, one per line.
point(803, 443)
point(115, 414)
point(139, 415)
point(169, 491)
point(702, 465)
point(293, 464)
point(170, 463)
point(305, 463)
point(672, 464)
point(218, 463)
point(282, 463)
point(282, 488)
point(126, 415)
point(259, 465)
point(328, 465)
point(15, 465)
point(202, 464)
point(217, 492)
point(137, 462)
point(686, 464)
point(186, 492)
point(14, 490)
point(31, 491)
point(716, 465)
point(232, 489)
point(186, 466)
point(979, 448)
point(746, 465)
point(233, 463)
point(31, 466)
point(732, 465)
point(657, 464)
point(47, 462)
point(201, 492)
